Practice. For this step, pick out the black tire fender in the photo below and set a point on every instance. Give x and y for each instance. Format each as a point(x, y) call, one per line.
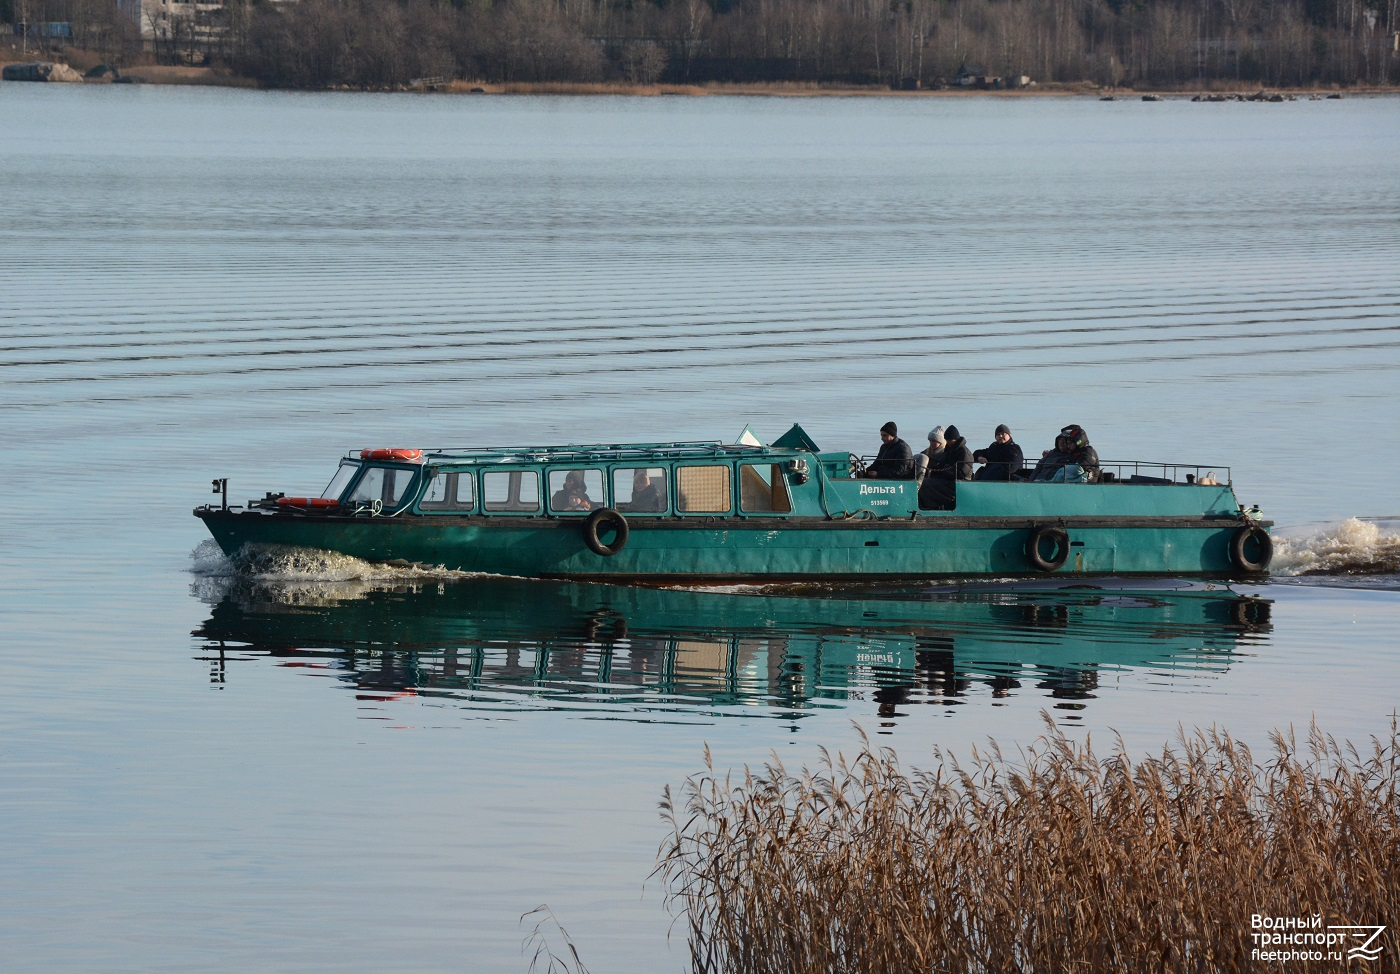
point(1240, 540)
point(1043, 532)
point(599, 521)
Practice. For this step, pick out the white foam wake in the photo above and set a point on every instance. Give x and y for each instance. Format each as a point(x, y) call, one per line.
point(286, 563)
point(1353, 547)
point(286, 575)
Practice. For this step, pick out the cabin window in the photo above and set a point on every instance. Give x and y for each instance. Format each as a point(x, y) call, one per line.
point(383, 484)
point(640, 490)
point(763, 489)
point(575, 491)
point(703, 489)
point(341, 480)
point(449, 490)
point(512, 491)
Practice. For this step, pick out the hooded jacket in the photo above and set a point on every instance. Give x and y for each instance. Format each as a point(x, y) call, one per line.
point(1071, 446)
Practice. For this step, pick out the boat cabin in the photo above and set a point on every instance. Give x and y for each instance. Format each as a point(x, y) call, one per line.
point(701, 480)
point(706, 479)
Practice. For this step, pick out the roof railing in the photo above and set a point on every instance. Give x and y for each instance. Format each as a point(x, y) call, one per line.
point(584, 452)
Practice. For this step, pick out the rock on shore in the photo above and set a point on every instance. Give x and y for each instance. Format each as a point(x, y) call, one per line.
point(40, 71)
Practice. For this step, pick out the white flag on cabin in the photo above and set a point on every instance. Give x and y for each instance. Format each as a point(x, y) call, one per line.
point(749, 437)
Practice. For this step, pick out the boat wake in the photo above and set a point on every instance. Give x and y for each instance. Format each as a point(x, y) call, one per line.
point(1356, 546)
point(305, 576)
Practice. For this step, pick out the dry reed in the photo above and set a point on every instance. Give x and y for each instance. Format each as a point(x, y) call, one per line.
point(544, 959)
point(1057, 861)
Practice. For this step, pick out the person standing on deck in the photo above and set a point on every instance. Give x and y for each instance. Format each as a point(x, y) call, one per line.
point(895, 461)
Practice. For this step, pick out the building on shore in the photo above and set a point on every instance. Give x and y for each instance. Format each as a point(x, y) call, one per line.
point(186, 30)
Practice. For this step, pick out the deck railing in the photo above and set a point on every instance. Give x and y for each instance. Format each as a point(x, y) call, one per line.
point(1113, 471)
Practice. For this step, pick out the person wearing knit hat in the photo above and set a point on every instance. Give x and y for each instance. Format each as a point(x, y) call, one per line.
point(1003, 457)
point(895, 461)
point(938, 492)
point(933, 454)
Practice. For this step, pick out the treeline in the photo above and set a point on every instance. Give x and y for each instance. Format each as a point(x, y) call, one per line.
point(1159, 43)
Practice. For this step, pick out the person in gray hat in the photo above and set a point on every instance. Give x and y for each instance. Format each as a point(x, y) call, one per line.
point(895, 461)
point(1003, 457)
point(931, 456)
point(938, 492)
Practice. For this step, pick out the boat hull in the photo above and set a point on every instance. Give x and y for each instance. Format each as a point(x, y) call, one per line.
point(751, 549)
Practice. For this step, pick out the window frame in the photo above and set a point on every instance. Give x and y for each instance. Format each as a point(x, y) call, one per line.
point(458, 472)
point(728, 466)
point(779, 470)
point(549, 491)
point(407, 499)
point(355, 468)
point(667, 471)
point(539, 500)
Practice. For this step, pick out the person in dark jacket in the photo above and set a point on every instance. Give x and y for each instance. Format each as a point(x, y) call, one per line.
point(647, 495)
point(938, 492)
point(895, 461)
point(573, 495)
point(1072, 450)
point(1003, 457)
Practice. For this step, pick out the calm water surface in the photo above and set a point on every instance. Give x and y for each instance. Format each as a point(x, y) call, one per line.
point(315, 765)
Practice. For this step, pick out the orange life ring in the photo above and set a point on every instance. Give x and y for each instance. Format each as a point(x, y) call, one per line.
point(403, 456)
point(311, 502)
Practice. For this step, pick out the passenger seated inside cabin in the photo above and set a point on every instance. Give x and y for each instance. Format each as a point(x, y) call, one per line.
point(1002, 457)
point(647, 495)
point(573, 496)
point(938, 492)
point(1072, 461)
point(895, 461)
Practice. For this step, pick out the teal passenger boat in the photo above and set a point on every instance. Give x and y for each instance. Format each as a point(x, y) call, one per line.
point(713, 512)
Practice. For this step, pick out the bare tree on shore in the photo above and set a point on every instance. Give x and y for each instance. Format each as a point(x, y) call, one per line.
point(1158, 43)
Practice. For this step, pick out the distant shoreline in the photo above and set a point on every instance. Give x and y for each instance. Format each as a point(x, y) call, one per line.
point(161, 74)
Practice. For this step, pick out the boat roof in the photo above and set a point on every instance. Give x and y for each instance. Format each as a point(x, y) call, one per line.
point(601, 452)
point(792, 443)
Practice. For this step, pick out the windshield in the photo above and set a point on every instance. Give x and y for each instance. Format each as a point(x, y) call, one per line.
point(340, 481)
point(384, 485)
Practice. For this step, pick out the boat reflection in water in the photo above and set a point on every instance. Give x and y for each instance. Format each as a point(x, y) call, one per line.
point(630, 652)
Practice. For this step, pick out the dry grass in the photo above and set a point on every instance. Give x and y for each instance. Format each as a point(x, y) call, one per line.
point(1059, 860)
point(544, 959)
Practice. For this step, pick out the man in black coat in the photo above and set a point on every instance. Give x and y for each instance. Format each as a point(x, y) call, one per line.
point(938, 492)
point(895, 461)
point(1002, 458)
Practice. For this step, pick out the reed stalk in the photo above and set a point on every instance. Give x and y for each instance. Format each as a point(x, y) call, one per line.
point(1057, 860)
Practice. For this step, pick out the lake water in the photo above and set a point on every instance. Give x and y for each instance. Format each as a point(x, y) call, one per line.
point(323, 766)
